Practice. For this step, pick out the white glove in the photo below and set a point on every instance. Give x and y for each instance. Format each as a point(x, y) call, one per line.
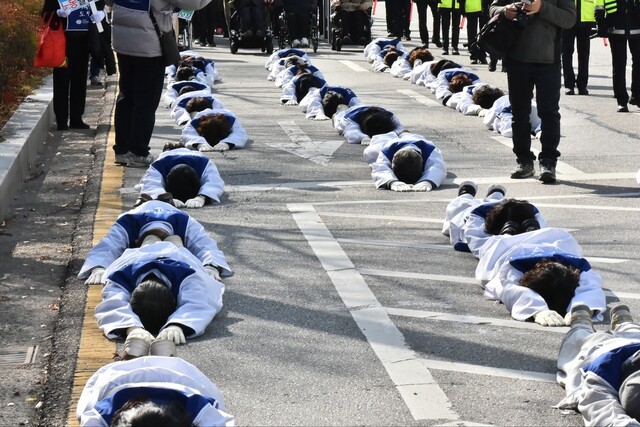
point(63, 13)
point(173, 333)
point(291, 102)
point(482, 112)
point(213, 272)
point(365, 140)
point(567, 318)
point(401, 186)
point(175, 239)
point(320, 117)
point(205, 147)
point(423, 186)
point(97, 17)
point(549, 318)
point(95, 278)
point(221, 146)
point(138, 332)
point(178, 203)
point(196, 202)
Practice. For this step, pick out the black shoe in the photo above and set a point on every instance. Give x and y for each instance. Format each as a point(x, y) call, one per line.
point(530, 224)
point(455, 51)
point(510, 227)
point(570, 92)
point(346, 40)
point(437, 42)
point(79, 125)
point(407, 38)
point(547, 173)
point(583, 91)
point(632, 101)
point(622, 109)
point(474, 62)
point(492, 66)
point(445, 52)
point(259, 34)
point(467, 187)
point(211, 43)
point(523, 170)
point(483, 61)
point(63, 126)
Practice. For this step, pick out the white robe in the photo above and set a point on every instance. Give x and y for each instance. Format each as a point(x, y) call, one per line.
point(282, 53)
point(199, 296)
point(211, 183)
point(401, 68)
point(236, 139)
point(372, 49)
point(126, 230)
point(441, 86)
point(311, 104)
point(173, 90)
point(171, 374)
point(350, 129)
point(385, 145)
point(499, 117)
point(285, 76)
point(178, 112)
point(523, 303)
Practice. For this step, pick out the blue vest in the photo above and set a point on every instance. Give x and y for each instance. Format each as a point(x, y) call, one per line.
point(196, 122)
point(175, 271)
point(425, 149)
point(609, 365)
point(133, 222)
point(450, 74)
point(347, 93)
point(383, 43)
point(166, 163)
point(183, 102)
point(179, 85)
point(526, 263)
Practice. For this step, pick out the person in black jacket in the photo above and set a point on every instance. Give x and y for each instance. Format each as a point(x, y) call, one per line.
point(619, 20)
point(70, 82)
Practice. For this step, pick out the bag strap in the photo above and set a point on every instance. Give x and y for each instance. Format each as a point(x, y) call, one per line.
point(155, 24)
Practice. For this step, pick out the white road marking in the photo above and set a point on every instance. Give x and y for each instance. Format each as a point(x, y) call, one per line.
point(474, 320)
point(383, 217)
point(355, 67)
point(622, 295)
point(419, 390)
point(562, 167)
point(488, 370)
point(301, 145)
point(389, 243)
point(419, 98)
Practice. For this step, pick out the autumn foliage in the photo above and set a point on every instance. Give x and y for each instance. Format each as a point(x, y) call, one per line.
point(19, 23)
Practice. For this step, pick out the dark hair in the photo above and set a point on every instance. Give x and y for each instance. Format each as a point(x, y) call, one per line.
point(185, 73)
point(198, 103)
point(407, 165)
point(330, 102)
point(390, 57)
point(153, 302)
point(508, 210)
point(182, 182)
point(187, 89)
point(214, 128)
point(486, 95)
point(292, 60)
point(443, 64)
point(140, 412)
point(172, 146)
point(305, 82)
point(458, 82)
point(375, 121)
point(420, 53)
point(554, 281)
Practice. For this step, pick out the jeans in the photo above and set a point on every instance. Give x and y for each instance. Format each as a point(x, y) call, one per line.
point(141, 84)
point(522, 77)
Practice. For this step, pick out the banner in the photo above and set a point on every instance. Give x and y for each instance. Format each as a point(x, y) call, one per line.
point(72, 5)
point(185, 14)
point(79, 20)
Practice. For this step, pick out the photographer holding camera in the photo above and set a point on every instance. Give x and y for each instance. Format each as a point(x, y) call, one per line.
point(534, 61)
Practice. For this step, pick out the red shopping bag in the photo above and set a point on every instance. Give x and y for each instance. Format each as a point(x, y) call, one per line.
point(52, 45)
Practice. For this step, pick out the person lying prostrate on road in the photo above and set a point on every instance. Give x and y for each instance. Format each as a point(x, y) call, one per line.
point(283, 53)
point(297, 88)
point(179, 112)
point(499, 117)
point(322, 103)
point(214, 130)
point(358, 124)
point(372, 49)
point(287, 74)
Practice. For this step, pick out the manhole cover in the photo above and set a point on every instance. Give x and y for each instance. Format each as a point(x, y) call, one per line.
point(18, 356)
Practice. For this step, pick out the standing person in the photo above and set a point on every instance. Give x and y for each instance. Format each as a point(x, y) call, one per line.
point(204, 21)
point(449, 11)
point(421, 6)
point(298, 13)
point(620, 21)
point(473, 12)
point(393, 11)
point(70, 82)
point(102, 56)
point(580, 36)
point(600, 371)
point(141, 68)
point(405, 19)
point(534, 61)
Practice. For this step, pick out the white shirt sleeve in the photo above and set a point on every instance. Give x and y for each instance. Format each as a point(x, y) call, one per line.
point(152, 183)
point(199, 243)
point(590, 293)
point(435, 169)
point(114, 311)
point(106, 251)
point(211, 183)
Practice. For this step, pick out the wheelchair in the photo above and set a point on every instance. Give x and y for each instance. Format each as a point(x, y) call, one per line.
point(284, 38)
point(336, 35)
point(237, 40)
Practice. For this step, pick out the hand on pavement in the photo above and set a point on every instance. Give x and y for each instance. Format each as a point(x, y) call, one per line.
point(173, 333)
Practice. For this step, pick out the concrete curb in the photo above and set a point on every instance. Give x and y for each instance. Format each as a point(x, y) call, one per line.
point(21, 139)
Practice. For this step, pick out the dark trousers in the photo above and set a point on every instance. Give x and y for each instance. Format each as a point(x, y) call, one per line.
point(577, 36)
point(473, 21)
point(70, 83)
point(141, 84)
point(522, 77)
point(393, 10)
point(299, 23)
point(422, 21)
point(353, 24)
point(204, 23)
point(450, 18)
point(405, 18)
point(619, 62)
point(252, 18)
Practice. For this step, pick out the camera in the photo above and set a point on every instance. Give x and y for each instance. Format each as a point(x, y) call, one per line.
point(521, 17)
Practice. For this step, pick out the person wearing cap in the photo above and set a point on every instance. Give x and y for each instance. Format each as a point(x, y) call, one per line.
point(600, 371)
point(190, 177)
point(405, 162)
point(160, 219)
point(151, 390)
point(157, 291)
point(466, 217)
point(540, 275)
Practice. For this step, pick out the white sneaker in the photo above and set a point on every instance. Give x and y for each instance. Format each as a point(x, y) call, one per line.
point(140, 161)
point(295, 43)
point(122, 159)
point(304, 42)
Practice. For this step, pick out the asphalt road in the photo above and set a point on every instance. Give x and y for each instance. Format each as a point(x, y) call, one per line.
point(348, 306)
